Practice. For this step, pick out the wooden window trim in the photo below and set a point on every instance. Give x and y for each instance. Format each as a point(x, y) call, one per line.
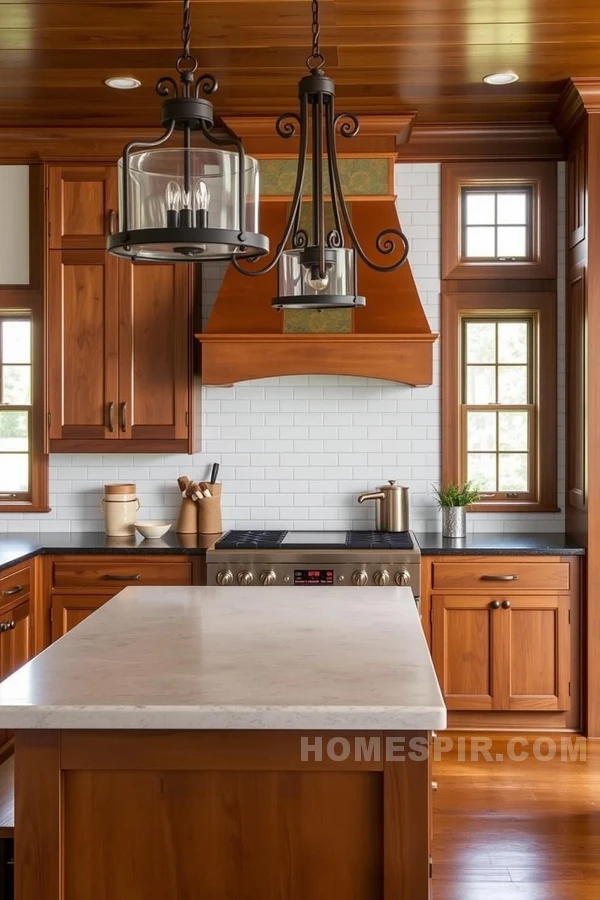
point(28, 299)
point(543, 305)
point(541, 177)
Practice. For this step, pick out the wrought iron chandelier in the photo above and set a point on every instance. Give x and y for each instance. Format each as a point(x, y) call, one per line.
point(188, 203)
point(317, 271)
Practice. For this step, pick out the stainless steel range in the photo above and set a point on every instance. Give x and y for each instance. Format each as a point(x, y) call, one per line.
point(342, 558)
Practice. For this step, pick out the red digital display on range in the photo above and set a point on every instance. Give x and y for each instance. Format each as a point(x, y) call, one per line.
point(313, 576)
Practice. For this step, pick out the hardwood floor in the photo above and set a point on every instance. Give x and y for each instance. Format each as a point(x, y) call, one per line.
point(511, 830)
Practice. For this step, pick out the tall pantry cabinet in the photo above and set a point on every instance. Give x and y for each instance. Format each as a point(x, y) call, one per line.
point(119, 333)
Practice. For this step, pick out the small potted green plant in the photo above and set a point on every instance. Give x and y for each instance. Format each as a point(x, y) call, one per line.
point(453, 500)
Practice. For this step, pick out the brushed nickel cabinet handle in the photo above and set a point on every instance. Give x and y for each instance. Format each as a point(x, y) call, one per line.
point(124, 416)
point(112, 221)
point(499, 577)
point(111, 416)
point(9, 592)
point(111, 577)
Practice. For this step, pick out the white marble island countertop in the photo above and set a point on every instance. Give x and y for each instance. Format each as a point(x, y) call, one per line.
point(243, 658)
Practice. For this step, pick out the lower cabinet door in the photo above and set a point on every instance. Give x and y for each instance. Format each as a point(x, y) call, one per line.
point(68, 610)
point(16, 637)
point(464, 652)
point(536, 653)
point(502, 653)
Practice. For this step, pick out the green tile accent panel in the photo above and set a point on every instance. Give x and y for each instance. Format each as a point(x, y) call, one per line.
point(311, 321)
point(360, 176)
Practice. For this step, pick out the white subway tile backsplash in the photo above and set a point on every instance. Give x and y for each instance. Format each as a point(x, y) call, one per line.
point(295, 452)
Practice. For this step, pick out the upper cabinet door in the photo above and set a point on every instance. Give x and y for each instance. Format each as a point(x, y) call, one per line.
point(82, 204)
point(155, 332)
point(82, 347)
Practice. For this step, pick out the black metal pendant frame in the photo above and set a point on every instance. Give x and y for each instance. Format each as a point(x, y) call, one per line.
point(316, 93)
point(187, 109)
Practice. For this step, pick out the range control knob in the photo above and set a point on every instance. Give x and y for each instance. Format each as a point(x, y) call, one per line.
point(381, 578)
point(360, 578)
point(267, 578)
point(402, 578)
point(225, 577)
point(245, 578)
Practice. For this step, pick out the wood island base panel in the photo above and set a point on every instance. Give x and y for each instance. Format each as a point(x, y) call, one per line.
point(105, 815)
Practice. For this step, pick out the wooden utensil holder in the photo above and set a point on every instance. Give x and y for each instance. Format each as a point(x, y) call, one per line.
point(187, 523)
point(210, 520)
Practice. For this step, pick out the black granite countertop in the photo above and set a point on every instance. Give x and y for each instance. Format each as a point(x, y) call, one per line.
point(500, 544)
point(18, 547)
point(15, 548)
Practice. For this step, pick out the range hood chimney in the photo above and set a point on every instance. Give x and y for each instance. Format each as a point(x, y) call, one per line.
point(390, 338)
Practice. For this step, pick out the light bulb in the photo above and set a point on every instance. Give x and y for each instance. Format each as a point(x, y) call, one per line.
point(201, 196)
point(314, 280)
point(186, 199)
point(173, 196)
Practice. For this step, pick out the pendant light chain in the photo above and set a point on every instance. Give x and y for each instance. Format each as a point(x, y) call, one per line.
point(186, 30)
point(316, 59)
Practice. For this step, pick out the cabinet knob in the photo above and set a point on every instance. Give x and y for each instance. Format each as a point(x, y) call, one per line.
point(495, 604)
point(506, 604)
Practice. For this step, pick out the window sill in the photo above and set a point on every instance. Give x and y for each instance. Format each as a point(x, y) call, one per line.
point(523, 507)
point(23, 507)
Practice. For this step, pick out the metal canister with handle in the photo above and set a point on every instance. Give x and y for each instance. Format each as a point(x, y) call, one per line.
point(392, 507)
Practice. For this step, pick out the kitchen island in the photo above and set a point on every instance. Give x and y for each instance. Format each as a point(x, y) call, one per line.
point(206, 743)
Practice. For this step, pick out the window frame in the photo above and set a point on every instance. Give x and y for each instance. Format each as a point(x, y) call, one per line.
point(28, 301)
point(531, 407)
point(541, 306)
point(497, 190)
point(540, 178)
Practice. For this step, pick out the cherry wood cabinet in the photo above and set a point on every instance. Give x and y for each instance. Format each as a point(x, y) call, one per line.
point(504, 637)
point(69, 610)
point(502, 654)
point(80, 585)
point(119, 333)
point(16, 636)
point(16, 625)
point(155, 331)
point(82, 204)
point(83, 335)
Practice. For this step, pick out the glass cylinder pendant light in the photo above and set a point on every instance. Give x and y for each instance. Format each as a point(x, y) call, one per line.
point(187, 203)
point(315, 270)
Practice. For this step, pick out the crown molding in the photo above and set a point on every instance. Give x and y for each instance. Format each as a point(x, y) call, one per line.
point(580, 96)
point(463, 142)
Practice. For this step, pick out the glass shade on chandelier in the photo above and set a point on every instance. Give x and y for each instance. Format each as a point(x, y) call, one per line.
point(184, 202)
point(301, 286)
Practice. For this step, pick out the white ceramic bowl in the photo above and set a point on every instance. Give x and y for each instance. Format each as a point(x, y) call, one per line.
point(152, 530)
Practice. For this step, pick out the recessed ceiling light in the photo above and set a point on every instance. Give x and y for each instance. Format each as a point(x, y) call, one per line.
point(501, 78)
point(122, 83)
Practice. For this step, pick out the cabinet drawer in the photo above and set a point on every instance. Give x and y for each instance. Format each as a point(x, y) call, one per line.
point(501, 574)
point(107, 575)
point(15, 584)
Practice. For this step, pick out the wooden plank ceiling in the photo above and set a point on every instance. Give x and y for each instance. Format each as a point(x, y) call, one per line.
point(387, 56)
